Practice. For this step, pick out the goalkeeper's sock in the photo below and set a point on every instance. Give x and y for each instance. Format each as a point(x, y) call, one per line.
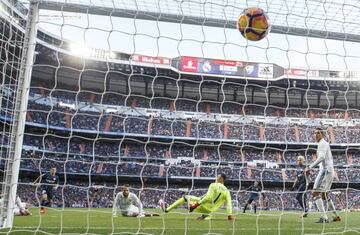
point(255, 206)
point(331, 206)
point(320, 205)
point(177, 203)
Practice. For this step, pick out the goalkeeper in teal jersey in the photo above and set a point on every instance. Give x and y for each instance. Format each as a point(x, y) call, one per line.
point(215, 197)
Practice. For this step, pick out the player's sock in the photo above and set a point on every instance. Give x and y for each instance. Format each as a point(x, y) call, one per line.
point(331, 206)
point(299, 199)
point(255, 206)
point(304, 203)
point(320, 205)
point(245, 207)
point(177, 203)
point(151, 214)
point(43, 204)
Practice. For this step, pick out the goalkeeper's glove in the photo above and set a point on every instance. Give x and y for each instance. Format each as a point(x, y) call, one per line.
point(194, 206)
point(230, 217)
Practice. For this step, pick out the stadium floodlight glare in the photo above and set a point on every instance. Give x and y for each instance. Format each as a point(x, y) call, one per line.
point(80, 50)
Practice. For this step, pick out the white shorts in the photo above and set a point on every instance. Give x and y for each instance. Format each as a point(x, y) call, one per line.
point(17, 211)
point(323, 181)
point(131, 211)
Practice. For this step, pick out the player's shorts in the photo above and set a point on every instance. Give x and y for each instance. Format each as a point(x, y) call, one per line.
point(131, 211)
point(48, 192)
point(251, 199)
point(201, 209)
point(17, 211)
point(323, 181)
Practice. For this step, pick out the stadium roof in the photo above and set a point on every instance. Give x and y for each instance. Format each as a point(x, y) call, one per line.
point(316, 18)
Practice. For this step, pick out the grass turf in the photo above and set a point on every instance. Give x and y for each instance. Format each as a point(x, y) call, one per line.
point(99, 221)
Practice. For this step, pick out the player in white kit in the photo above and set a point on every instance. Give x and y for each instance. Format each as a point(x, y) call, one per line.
point(20, 208)
point(324, 179)
point(129, 204)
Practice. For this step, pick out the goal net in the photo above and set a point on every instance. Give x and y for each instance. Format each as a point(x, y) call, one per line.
point(164, 96)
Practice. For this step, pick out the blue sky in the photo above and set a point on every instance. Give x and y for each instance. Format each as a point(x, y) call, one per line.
point(172, 40)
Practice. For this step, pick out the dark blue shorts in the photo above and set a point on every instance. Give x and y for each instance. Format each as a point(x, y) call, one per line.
point(48, 191)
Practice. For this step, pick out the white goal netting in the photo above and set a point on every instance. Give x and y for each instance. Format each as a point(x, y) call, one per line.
point(163, 96)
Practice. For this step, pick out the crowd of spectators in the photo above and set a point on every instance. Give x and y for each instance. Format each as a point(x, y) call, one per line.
point(56, 116)
point(100, 194)
point(155, 160)
point(103, 147)
point(195, 104)
point(64, 117)
point(77, 155)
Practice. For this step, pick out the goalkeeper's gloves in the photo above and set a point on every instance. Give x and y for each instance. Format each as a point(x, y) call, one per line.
point(230, 217)
point(194, 206)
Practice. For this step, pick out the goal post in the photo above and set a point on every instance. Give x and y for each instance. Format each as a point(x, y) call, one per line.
point(13, 158)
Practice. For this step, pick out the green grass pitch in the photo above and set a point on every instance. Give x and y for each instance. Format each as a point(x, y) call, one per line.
point(100, 221)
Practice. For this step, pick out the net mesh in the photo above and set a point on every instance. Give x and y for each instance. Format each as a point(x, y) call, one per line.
point(120, 100)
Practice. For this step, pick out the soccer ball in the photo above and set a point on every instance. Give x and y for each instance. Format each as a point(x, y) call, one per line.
point(253, 24)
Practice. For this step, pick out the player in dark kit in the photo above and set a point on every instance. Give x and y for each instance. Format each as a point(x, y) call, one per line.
point(48, 184)
point(255, 191)
point(301, 183)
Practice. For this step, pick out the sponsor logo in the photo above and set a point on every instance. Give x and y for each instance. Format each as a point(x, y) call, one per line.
point(150, 59)
point(206, 67)
point(265, 71)
point(302, 72)
point(228, 68)
point(189, 64)
point(249, 69)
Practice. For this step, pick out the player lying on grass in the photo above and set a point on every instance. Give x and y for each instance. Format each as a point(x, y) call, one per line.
point(215, 197)
point(129, 204)
point(20, 208)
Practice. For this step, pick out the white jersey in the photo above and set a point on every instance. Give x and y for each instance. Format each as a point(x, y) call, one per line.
point(324, 157)
point(18, 204)
point(125, 203)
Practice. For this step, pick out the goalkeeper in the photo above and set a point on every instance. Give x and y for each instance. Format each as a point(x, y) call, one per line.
point(215, 197)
